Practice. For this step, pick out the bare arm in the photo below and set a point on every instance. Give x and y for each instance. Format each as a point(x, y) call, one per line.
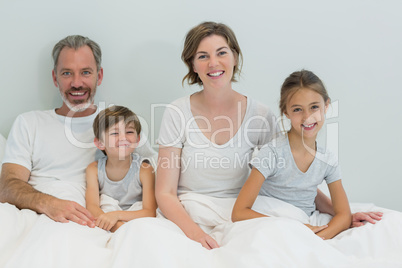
point(15, 189)
point(92, 190)
point(323, 203)
point(343, 217)
point(247, 196)
point(113, 220)
point(149, 206)
point(166, 195)
point(147, 177)
point(109, 222)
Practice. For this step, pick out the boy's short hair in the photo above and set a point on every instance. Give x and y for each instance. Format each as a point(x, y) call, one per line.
point(111, 116)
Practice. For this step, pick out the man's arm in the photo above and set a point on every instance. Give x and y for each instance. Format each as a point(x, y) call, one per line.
point(14, 189)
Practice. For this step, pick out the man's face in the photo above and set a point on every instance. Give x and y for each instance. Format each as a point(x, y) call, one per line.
point(77, 77)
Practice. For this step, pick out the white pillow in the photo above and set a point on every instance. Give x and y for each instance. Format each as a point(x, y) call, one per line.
point(2, 148)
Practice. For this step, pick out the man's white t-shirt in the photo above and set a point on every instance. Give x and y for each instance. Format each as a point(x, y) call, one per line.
point(56, 150)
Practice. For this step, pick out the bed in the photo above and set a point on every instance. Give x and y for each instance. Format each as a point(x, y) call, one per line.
point(31, 240)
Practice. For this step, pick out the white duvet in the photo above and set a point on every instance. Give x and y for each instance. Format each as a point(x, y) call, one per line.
point(31, 240)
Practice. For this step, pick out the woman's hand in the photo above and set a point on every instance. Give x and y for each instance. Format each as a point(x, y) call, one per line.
point(167, 179)
point(205, 240)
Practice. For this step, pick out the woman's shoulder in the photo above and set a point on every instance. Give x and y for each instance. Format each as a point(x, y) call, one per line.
point(181, 102)
point(258, 108)
point(178, 107)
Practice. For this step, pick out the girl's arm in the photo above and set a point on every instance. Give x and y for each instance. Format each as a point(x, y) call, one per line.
point(167, 180)
point(323, 203)
point(342, 217)
point(247, 196)
point(92, 191)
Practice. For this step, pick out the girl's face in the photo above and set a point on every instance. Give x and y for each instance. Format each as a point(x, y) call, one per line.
point(306, 110)
point(214, 62)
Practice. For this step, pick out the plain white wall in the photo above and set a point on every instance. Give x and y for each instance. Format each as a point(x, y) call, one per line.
point(354, 46)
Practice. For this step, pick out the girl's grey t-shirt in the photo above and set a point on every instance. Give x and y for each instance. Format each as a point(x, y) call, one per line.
point(285, 181)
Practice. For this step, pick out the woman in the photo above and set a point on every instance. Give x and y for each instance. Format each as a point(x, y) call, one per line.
point(213, 132)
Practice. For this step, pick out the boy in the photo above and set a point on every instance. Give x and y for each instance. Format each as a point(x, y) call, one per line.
point(121, 177)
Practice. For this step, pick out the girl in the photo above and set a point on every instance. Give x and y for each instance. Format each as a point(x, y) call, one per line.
point(292, 166)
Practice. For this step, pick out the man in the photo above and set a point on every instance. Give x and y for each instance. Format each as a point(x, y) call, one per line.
point(46, 149)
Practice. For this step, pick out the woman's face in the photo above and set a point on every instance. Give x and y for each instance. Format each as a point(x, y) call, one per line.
point(214, 62)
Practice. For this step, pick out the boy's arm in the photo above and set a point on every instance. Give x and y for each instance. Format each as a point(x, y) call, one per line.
point(147, 177)
point(15, 189)
point(92, 190)
point(113, 220)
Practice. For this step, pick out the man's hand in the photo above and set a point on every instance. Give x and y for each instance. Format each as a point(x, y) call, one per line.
point(64, 211)
point(106, 221)
point(359, 218)
point(15, 190)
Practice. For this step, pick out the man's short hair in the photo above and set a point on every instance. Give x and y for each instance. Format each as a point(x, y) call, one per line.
point(76, 42)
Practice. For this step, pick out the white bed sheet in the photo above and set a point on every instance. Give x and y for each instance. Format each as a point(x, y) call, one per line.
point(29, 240)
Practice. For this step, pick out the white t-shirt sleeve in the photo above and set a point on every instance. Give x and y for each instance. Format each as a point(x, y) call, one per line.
point(172, 129)
point(145, 150)
point(267, 125)
point(19, 144)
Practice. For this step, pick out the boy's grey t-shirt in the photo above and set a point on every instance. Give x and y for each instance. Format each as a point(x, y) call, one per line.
point(128, 190)
point(284, 180)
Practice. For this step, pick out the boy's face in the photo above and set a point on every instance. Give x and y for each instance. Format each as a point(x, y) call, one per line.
point(119, 141)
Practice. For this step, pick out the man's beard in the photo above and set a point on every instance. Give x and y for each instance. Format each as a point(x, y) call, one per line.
point(81, 106)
